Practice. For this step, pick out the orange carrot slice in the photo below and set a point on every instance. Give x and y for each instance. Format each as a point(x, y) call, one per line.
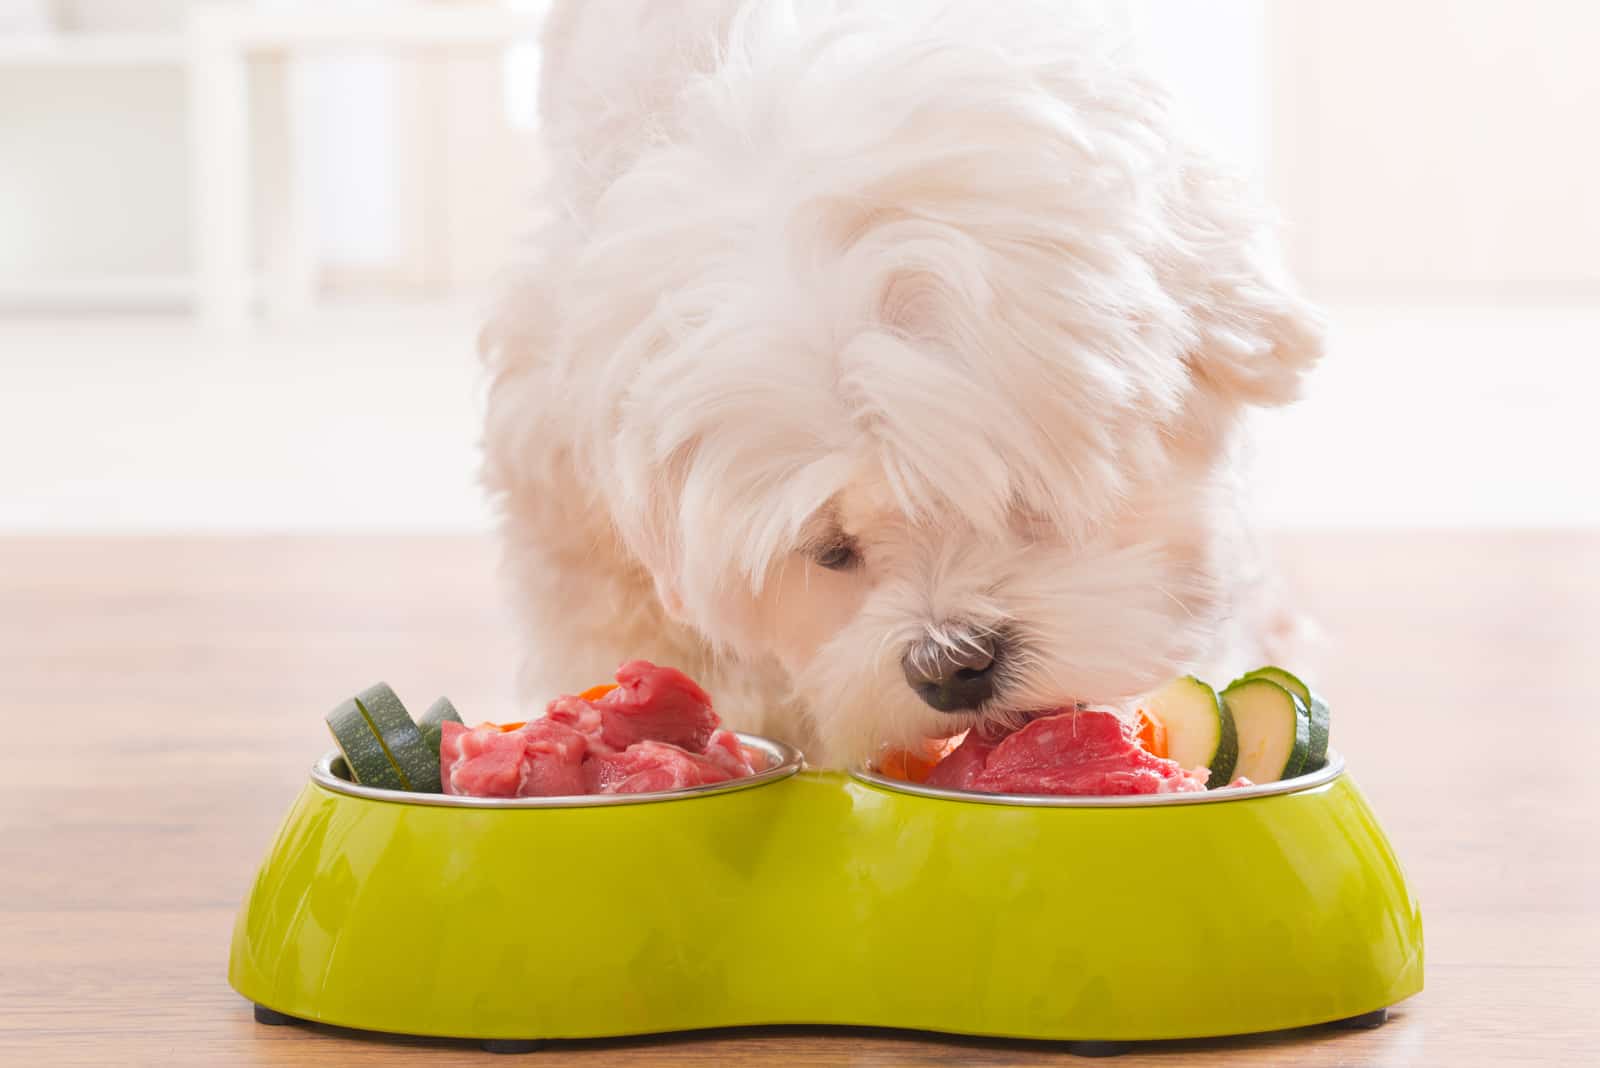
point(594, 693)
point(904, 765)
point(501, 727)
point(1152, 734)
point(914, 766)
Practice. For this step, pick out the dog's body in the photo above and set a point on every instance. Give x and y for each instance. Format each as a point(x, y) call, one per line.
point(878, 365)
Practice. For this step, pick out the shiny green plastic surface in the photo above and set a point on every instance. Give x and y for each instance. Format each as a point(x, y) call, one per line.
point(820, 899)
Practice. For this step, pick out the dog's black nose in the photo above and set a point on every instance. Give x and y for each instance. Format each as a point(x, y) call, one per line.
point(951, 678)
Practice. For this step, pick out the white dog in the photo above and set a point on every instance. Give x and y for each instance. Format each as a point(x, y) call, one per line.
point(880, 365)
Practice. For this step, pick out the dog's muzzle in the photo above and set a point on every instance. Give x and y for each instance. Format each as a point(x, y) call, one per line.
point(954, 677)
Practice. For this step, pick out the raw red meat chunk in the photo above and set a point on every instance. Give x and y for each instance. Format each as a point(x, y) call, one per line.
point(539, 759)
point(581, 716)
point(648, 766)
point(655, 731)
point(656, 704)
point(1079, 752)
point(481, 762)
point(725, 751)
point(552, 761)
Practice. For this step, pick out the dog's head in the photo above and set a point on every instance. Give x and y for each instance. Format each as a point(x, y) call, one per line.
point(923, 345)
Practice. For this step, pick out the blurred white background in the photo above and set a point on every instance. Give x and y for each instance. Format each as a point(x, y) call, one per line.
point(245, 248)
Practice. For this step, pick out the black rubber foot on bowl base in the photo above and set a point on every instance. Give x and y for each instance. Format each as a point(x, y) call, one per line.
point(271, 1017)
point(512, 1045)
point(1098, 1049)
point(1365, 1022)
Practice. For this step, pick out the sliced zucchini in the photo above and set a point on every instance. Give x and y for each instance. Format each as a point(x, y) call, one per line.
point(1315, 706)
point(1200, 729)
point(432, 723)
point(402, 741)
point(1274, 730)
point(368, 763)
point(381, 744)
point(1289, 682)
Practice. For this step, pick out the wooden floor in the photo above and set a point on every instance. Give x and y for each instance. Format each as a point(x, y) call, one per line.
point(163, 699)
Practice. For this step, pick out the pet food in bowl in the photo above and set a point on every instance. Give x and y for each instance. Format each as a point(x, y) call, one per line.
point(1083, 751)
point(652, 730)
point(1266, 727)
point(383, 908)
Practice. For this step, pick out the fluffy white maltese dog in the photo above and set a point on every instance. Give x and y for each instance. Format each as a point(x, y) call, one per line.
point(880, 364)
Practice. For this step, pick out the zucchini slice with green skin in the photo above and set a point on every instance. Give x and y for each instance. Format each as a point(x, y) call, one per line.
point(1200, 729)
point(1315, 705)
point(402, 741)
point(363, 753)
point(381, 744)
point(432, 723)
point(1274, 730)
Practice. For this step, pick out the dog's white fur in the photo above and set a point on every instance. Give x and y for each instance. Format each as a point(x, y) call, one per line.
point(941, 276)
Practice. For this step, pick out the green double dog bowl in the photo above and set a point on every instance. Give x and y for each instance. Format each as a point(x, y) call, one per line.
point(818, 897)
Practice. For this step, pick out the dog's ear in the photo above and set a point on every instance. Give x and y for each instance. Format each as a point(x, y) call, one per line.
point(1255, 335)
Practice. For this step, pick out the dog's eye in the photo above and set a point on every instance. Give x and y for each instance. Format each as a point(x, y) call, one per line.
point(841, 554)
